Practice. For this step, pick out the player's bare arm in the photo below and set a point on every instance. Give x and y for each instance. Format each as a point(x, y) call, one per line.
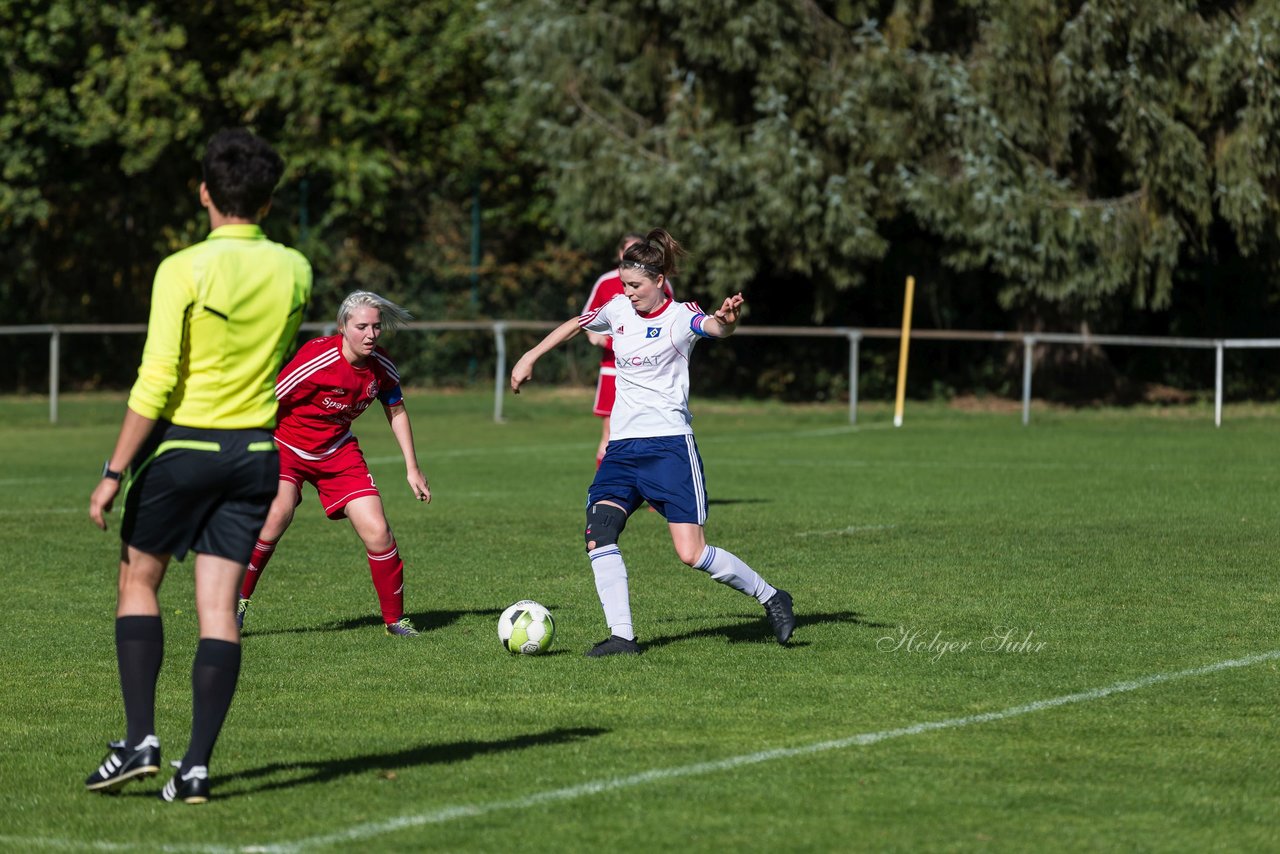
point(398, 418)
point(523, 370)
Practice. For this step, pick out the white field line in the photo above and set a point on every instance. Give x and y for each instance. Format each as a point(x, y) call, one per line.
point(361, 832)
point(44, 511)
point(365, 831)
point(427, 454)
point(852, 529)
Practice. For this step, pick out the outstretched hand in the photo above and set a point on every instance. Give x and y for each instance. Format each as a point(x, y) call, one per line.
point(523, 370)
point(730, 310)
point(521, 373)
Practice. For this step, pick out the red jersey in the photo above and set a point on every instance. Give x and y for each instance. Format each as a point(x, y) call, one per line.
point(606, 288)
point(321, 393)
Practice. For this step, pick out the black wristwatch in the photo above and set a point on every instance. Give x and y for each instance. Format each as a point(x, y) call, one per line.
point(108, 473)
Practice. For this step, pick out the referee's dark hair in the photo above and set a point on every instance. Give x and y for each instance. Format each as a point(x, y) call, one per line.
point(241, 172)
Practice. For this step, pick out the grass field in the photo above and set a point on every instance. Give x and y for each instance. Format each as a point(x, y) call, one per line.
point(1058, 637)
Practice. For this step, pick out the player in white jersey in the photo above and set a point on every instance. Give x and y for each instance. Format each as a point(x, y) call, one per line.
point(651, 455)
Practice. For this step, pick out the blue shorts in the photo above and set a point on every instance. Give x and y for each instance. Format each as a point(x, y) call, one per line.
point(666, 471)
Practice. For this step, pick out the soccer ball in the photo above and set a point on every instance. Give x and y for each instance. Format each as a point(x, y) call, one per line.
point(526, 628)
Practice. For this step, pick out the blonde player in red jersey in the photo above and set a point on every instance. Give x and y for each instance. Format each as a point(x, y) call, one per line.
point(327, 385)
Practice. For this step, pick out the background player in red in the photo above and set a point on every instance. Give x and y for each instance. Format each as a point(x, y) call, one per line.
point(327, 385)
point(606, 288)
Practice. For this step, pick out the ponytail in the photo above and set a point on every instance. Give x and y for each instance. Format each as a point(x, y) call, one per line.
point(658, 254)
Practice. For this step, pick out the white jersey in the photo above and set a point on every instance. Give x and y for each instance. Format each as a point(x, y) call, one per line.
point(651, 355)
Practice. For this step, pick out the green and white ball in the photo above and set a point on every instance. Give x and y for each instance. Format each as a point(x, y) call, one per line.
point(526, 628)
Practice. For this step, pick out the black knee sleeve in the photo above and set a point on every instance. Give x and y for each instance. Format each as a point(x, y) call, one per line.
point(604, 524)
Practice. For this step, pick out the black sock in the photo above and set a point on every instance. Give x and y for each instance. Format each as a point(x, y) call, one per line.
point(139, 653)
point(213, 683)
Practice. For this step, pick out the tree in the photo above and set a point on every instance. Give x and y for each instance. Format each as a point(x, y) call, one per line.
point(379, 109)
point(713, 120)
point(1109, 164)
point(1079, 158)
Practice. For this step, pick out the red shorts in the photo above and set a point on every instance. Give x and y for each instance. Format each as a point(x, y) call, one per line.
point(605, 389)
point(339, 478)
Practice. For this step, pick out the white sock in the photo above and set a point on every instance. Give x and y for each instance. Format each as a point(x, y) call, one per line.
point(611, 585)
point(727, 568)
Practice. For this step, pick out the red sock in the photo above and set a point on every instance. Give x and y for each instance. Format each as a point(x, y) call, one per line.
point(262, 552)
point(388, 580)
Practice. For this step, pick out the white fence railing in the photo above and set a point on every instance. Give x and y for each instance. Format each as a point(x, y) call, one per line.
point(499, 328)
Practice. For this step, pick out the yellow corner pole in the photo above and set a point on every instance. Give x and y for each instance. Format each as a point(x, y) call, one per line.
point(902, 351)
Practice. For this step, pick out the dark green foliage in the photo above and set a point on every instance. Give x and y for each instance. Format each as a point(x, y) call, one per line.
point(378, 108)
point(1075, 156)
point(1043, 165)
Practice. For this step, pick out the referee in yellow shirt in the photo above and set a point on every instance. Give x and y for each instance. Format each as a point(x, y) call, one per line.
point(195, 457)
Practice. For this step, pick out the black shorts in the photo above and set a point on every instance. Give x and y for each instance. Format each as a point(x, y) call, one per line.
point(206, 491)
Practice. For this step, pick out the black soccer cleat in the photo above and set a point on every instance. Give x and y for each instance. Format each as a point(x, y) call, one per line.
point(190, 788)
point(781, 617)
point(614, 645)
point(123, 764)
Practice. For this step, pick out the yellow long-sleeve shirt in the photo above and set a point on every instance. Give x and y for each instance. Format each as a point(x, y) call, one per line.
point(223, 314)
